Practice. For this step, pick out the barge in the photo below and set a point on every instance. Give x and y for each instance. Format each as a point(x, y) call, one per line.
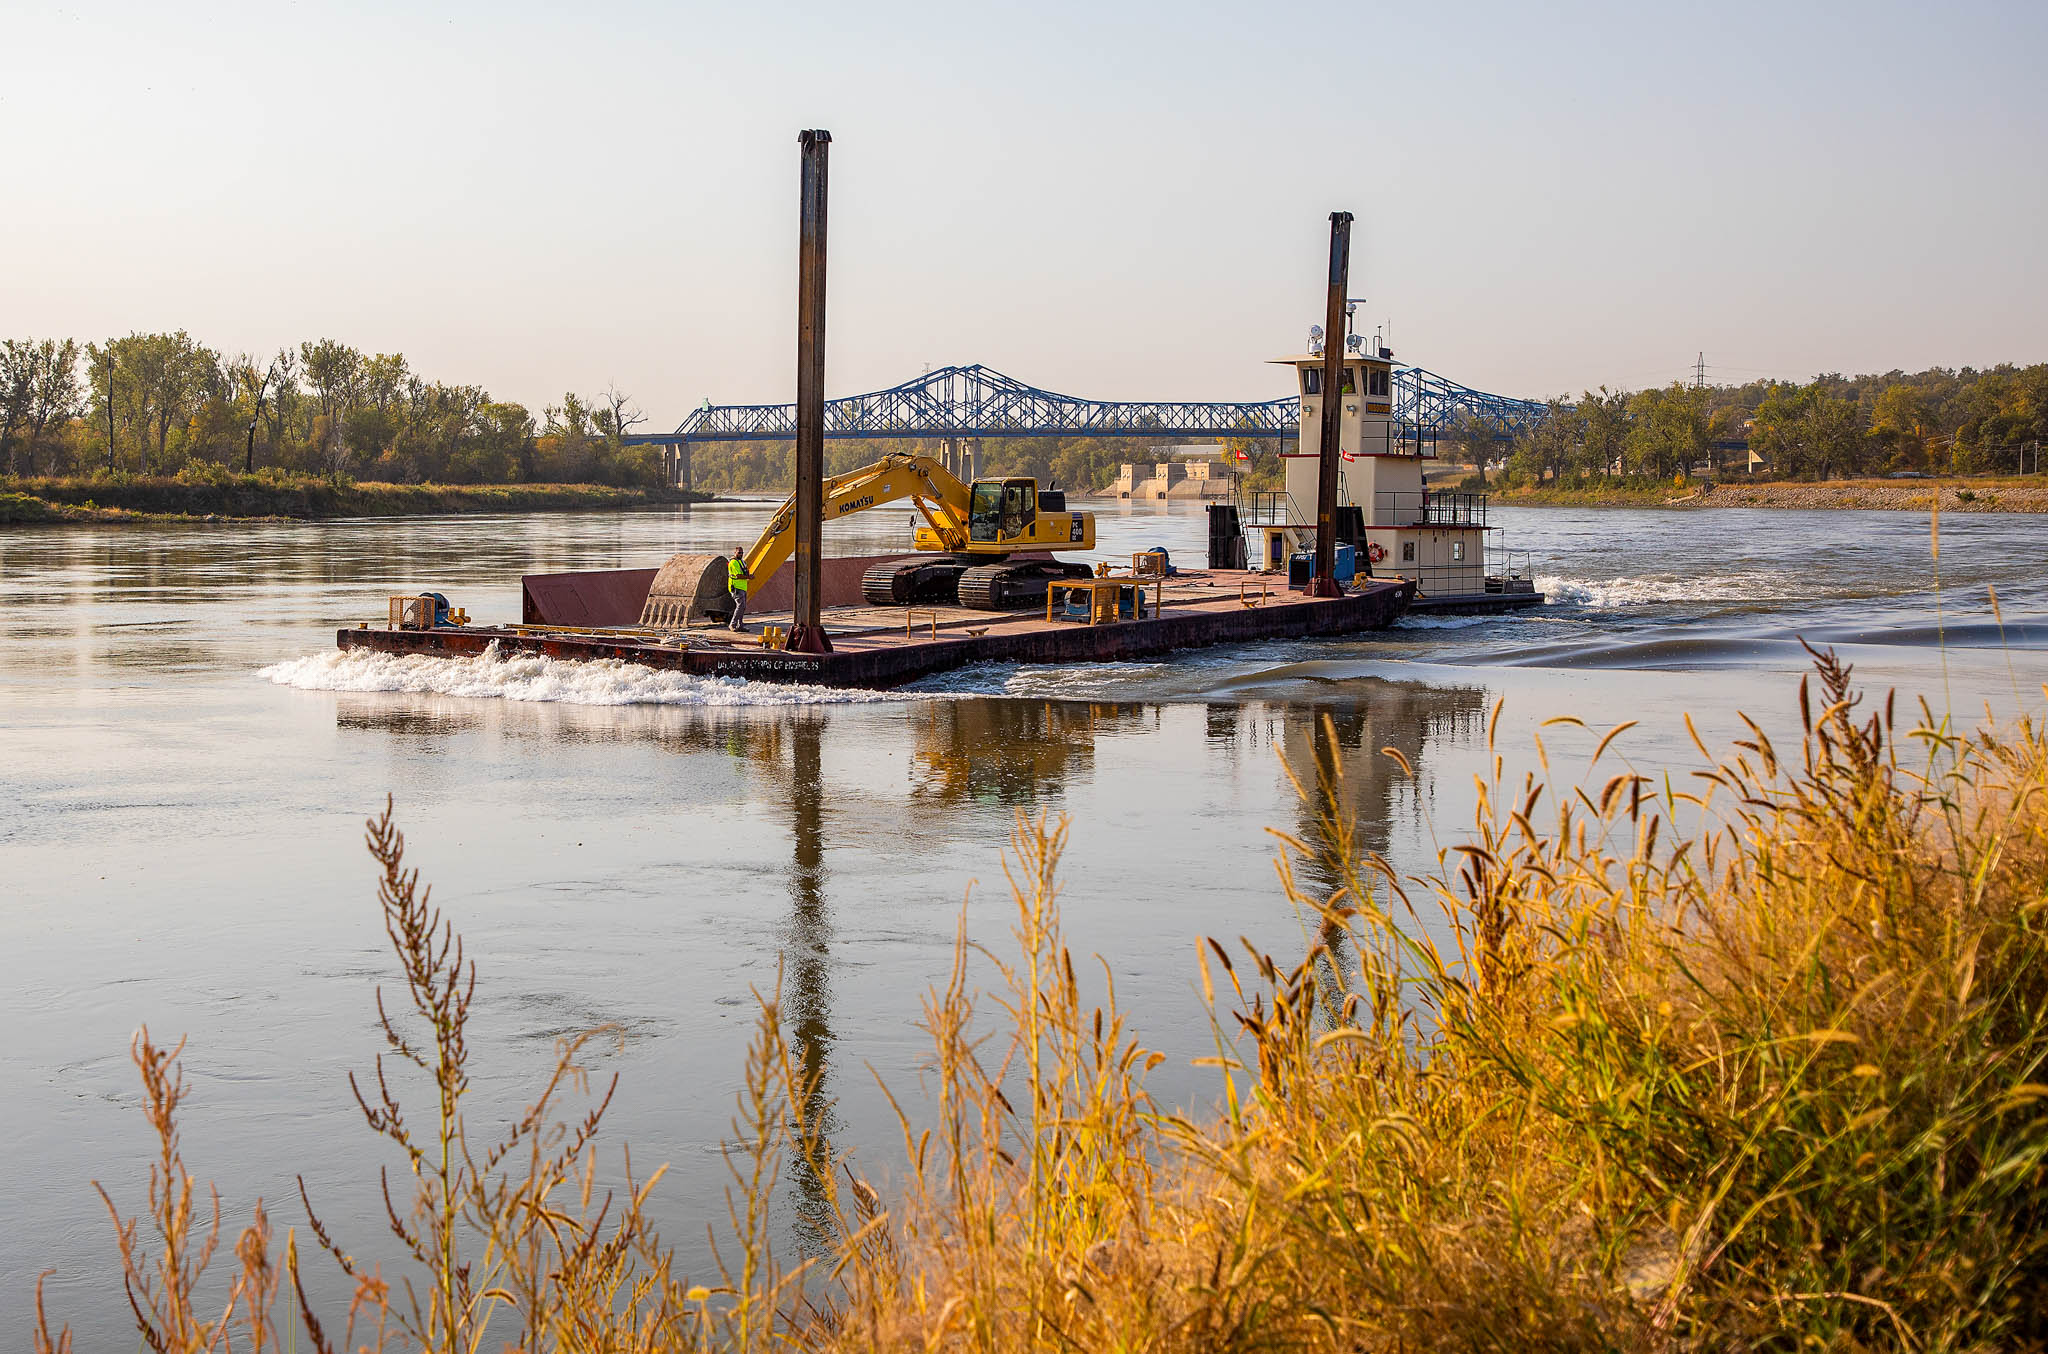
point(891, 619)
point(1120, 617)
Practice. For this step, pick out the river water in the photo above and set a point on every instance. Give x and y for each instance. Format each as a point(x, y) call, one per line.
point(185, 765)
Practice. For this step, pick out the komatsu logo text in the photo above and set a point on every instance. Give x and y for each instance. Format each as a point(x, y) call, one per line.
point(855, 505)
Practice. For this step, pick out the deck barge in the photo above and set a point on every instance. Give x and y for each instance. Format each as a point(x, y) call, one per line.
point(880, 647)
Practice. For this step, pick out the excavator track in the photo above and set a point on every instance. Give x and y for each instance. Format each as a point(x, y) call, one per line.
point(1014, 586)
point(908, 582)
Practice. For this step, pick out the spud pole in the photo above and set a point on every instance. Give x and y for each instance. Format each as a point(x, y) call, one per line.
point(1324, 584)
point(807, 630)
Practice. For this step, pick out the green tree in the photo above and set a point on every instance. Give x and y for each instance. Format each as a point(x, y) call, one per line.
point(502, 435)
point(334, 370)
point(1549, 451)
point(565, 451)
point(17, 381)
point(1604, 420)
point(171, 375)
point(1808, 432)
point(1902, 418)
point(1668, 431)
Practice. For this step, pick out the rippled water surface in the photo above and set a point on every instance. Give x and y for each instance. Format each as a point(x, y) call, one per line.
point(185, 764)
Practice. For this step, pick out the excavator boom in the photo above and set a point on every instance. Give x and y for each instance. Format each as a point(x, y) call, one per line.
point(939, 496)
point(969, 531)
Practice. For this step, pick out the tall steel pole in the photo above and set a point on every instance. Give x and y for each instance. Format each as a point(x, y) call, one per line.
point(1324, 584)
point(807, 630)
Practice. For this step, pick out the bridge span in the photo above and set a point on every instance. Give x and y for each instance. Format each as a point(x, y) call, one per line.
point(963, 404)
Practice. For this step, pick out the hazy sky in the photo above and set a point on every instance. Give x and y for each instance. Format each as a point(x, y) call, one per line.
point(1117, 200)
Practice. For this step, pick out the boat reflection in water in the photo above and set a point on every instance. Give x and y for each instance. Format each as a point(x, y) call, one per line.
point(911, 800)
point(1023, 754)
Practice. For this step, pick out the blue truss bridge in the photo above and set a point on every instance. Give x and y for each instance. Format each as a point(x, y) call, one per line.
point(978, 402)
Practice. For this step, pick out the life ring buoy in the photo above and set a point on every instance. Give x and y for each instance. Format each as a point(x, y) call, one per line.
point(1375, 552)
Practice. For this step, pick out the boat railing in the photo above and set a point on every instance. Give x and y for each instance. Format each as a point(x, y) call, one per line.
point(1435, 580)
point(1268, 508)
point(1504, 563)
point(1428, 508)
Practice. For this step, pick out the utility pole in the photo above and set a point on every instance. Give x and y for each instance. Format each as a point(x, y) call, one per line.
point(807, 629)
point(1324, 584)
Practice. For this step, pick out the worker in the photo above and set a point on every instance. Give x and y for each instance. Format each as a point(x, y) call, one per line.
point(736, 581)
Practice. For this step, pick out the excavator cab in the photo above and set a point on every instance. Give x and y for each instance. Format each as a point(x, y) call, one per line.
point(985, 511)
point(1001, 510)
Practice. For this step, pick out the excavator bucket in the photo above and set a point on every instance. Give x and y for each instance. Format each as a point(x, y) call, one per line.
point(688, 588)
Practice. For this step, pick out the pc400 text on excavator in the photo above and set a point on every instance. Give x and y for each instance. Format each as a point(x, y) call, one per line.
point(969, 534)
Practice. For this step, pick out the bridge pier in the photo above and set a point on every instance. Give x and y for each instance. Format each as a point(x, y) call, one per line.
point(961, 456)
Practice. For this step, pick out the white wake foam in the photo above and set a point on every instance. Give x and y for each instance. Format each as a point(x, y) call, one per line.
point(1601, 594)
point(532, 677)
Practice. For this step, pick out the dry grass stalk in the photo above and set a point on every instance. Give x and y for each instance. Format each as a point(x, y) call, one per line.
point(1592, 1082)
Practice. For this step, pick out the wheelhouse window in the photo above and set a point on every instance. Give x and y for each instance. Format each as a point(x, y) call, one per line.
point(1350, 381)
point(1376, 382)
point(1311, 380)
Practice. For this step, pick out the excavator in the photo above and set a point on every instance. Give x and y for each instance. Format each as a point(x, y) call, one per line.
point(970, 532)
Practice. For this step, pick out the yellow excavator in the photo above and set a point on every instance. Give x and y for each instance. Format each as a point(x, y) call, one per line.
point(968, 531)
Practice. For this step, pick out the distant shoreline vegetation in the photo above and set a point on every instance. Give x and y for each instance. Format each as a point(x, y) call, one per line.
point(162, 405)
point(202, 491)
point(1938, 422)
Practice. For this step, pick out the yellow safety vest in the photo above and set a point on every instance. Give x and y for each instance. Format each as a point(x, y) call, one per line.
point(736, 575)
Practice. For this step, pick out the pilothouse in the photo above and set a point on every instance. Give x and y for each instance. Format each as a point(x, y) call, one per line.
point(1394, 524)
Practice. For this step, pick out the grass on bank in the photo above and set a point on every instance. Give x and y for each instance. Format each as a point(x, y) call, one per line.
point(1774, 1083)
point(204, 490)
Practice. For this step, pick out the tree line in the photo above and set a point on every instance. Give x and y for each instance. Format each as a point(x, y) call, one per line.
point(1939, 421)
point(163, 404)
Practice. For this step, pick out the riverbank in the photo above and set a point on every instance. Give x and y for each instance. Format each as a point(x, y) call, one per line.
point(272, 497)
point(1956, 495)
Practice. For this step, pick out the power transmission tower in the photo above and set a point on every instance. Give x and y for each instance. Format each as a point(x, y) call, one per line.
point(1699, 373)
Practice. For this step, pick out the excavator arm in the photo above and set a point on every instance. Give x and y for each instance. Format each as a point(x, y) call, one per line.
point(938, 495)
point(690, 585)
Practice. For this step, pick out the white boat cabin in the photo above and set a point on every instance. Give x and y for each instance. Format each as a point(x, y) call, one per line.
point(1434, 537)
